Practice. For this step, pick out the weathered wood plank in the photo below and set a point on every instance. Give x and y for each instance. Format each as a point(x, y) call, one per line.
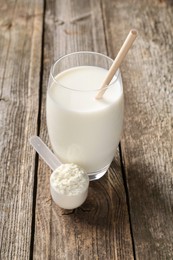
point(147, 141)
point(100, 228)
point(20, 45)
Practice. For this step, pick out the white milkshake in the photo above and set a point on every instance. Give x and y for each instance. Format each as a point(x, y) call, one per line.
point(84, 130)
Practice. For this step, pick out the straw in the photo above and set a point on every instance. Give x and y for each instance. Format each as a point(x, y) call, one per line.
point(117, 62)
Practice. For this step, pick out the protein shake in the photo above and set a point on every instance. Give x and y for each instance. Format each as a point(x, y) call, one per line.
point(84, 130)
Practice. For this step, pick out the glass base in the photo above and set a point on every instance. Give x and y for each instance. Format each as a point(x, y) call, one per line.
point(93, 176)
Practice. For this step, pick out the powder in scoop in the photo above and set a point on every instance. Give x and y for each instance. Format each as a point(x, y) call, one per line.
point(69, 185)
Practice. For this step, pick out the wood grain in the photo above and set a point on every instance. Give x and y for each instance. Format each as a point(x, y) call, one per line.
point(99, 229)
point(20, 45)
point(147, 142)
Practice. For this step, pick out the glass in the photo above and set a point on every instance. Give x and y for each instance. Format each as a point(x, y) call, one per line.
point(82, 129)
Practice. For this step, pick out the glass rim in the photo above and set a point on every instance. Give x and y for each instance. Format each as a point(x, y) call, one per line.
point(82, 52)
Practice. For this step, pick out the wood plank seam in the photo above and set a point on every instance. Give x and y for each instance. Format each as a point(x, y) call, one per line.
point(38, 132)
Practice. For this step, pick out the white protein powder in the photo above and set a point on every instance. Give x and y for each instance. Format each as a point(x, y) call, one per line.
point(69, 186)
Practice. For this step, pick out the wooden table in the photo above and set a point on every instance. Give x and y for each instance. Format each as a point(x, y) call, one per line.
point(129, 212)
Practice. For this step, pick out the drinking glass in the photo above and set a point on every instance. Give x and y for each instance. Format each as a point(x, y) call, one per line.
point(82, 129)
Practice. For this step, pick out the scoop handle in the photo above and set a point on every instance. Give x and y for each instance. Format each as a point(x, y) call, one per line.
point(44, 152)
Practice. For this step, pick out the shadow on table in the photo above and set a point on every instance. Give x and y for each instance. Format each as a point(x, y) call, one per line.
point(106, 205)
point(151, 199)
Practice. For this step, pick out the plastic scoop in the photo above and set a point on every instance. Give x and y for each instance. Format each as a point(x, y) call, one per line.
point(44, 152)
point(68, 183)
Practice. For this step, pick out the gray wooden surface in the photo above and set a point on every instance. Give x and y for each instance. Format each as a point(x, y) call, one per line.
point(20, 61)
point(147, 144)
point(129, 212)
